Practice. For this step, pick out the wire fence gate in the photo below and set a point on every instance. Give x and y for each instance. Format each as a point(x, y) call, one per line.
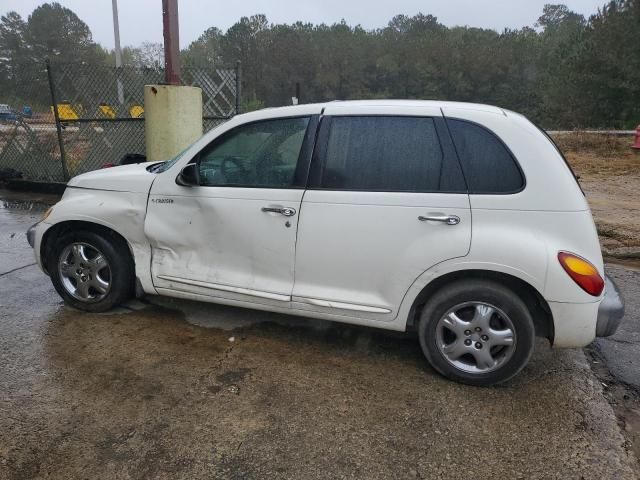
point(99, 116)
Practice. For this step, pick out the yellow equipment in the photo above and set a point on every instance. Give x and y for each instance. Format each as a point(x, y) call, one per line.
point(66, 111)
point(136, 111)
point(107, 110)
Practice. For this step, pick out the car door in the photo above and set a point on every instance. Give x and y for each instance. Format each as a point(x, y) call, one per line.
point(387, 200)
point(233, 236)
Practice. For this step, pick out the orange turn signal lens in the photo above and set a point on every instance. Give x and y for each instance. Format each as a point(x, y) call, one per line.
point(582, 272)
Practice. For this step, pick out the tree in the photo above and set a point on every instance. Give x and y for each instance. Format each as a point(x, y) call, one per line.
point(55, 32)
point(148, 56)
point(13, 48)
point(245, 41)
point(611, 66)
point(541, 72)
point(566, 72)
point(206, 50)
point(557, 15)
point(560, 79)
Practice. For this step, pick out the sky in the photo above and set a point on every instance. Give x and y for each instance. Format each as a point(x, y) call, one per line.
point(141, 20)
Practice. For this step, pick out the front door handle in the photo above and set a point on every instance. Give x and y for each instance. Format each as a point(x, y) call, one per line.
point(448, 219)
point(286, 211)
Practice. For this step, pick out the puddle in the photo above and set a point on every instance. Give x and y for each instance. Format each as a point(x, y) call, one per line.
point(26, 202)
point(24, 205)
point(235, 323)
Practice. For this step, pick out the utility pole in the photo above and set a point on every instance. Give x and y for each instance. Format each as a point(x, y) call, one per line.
point(172, 112)
point(116, 34)
point(171, 42)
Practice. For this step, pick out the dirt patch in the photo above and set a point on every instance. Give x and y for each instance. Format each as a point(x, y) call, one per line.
point(609, 172)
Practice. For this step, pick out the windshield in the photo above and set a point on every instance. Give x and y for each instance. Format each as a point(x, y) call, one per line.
point(164, 166)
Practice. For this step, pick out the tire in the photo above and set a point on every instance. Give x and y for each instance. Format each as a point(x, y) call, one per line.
point(453, 345)
point(91, 271)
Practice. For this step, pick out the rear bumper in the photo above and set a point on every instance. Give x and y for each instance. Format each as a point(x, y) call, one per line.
point(611, 310)
point(578, 324)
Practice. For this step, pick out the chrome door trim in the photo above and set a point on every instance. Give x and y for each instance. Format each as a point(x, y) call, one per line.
point(227, 288)
point(341, 306)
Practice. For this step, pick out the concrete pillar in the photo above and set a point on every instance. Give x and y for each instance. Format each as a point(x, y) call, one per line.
point(172, 119)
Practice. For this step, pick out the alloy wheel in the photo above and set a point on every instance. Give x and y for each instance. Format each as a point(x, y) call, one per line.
point(476, 337)
point(84, 272)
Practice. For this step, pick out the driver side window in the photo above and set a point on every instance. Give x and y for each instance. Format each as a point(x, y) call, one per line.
point(262, 154)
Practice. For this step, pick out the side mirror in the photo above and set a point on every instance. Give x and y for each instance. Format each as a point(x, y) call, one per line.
point(189, 176)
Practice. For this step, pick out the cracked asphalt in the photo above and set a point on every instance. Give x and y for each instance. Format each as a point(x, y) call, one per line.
point(172, 389)
point(622, 351)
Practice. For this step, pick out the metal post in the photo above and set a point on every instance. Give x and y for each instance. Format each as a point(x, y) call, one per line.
point(118, 52)
point(171, 42)
point(56, 116)
point(238, 87)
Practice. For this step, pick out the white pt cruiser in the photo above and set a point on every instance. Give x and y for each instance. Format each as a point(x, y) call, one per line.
point(461, 221)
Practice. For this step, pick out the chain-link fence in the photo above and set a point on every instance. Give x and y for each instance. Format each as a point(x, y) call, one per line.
point(100, 116)
point(29, 145)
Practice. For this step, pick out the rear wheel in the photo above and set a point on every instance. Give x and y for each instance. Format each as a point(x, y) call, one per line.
point(476, 332)
point(91, 271)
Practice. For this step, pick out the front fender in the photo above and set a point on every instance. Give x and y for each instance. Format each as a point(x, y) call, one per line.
point(122, 212)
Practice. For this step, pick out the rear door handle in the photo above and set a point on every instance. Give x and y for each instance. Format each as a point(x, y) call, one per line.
point(286, 211)
point(448, 219)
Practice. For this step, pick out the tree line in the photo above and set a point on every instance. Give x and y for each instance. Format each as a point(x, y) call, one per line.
point(566, 71)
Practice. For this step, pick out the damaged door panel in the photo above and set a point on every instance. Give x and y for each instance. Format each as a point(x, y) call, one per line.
point(223, 241)
point(233, 235)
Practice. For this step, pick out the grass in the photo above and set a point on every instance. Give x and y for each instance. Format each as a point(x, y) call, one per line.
point(610, 172)
point(596, 154)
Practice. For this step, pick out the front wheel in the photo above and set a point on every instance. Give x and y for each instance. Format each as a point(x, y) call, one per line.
point(476, 332)
point(91, 271)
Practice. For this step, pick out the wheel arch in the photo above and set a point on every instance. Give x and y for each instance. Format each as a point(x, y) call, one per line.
point(61, 228)
point(537, 305)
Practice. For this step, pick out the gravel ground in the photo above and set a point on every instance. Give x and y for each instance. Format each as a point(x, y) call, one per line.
point(183, 390)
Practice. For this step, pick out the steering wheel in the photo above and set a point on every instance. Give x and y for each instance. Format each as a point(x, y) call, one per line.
point(227, 170)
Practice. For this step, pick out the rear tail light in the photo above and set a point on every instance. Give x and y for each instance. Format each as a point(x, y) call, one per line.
point(582, 272)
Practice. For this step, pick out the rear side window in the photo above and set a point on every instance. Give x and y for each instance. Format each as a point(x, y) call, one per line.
point(389, 154)
point(488, 165)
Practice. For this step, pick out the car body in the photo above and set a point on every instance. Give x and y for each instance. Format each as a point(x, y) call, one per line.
point(6, 113)
point(374, 213)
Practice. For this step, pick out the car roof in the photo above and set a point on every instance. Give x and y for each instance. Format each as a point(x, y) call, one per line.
point(355, 104)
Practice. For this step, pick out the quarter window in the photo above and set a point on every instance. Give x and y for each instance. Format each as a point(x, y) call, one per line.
point(390, 154)
point(262, 154)
point(488, 165)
